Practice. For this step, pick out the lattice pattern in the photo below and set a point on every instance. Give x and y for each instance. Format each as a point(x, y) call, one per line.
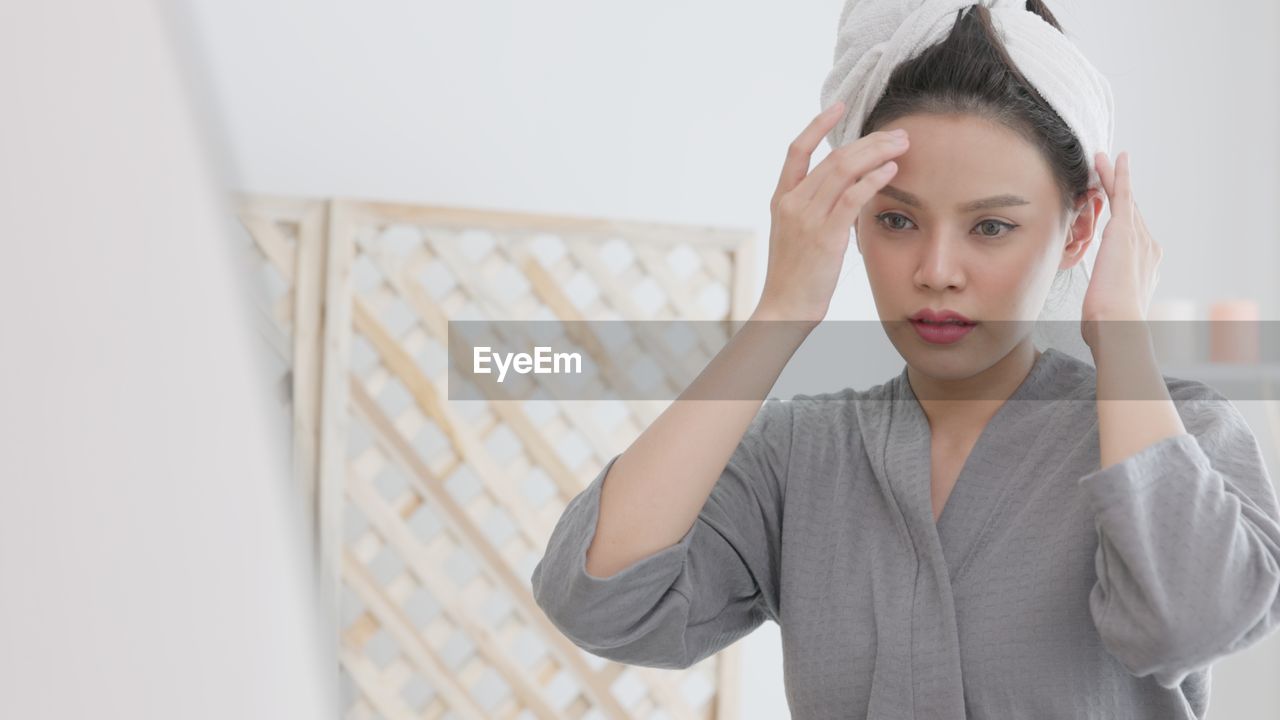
point(432, 513)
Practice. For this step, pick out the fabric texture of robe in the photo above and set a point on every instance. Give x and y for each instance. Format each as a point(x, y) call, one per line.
point(1048, 588)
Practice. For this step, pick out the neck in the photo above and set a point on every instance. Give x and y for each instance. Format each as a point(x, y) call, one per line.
point(969, 402)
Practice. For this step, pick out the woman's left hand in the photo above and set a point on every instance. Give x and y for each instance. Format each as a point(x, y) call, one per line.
point(1127, 266)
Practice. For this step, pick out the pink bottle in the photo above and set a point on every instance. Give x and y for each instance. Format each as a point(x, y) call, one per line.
point(1233, 332)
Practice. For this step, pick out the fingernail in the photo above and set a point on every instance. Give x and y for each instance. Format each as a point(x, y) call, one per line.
point(899, 132)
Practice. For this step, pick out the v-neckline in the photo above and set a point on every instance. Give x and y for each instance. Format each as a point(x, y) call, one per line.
point(951, 455)
point(972, 497)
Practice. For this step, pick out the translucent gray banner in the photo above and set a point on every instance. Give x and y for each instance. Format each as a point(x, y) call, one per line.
point(661, 359)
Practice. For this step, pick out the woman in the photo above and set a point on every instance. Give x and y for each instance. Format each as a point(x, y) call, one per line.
point(994, 533)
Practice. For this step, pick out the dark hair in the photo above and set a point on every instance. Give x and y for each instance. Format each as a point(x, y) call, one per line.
point(970, 72)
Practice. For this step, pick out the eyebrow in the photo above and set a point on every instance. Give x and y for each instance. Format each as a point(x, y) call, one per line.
point(994, 201)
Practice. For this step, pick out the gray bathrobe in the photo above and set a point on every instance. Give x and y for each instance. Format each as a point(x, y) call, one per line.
point(1049, 587)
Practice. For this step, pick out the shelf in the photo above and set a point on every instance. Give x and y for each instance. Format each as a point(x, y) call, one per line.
point(1236, 381)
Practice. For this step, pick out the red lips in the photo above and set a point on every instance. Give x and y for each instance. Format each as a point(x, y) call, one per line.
point(939, 316)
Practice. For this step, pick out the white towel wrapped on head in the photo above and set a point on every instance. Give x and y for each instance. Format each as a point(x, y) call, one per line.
point(875, 36)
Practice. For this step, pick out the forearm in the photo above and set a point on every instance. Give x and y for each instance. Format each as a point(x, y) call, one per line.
point(1134, 407)
point(656, 488)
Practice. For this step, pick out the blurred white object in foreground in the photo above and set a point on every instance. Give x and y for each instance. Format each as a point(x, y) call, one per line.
point(153, 557)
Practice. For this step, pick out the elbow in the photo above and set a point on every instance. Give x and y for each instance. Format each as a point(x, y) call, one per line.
point(551, 596)
point(637, 626)
point(1165, 655)
point(1142, 637)
point(655, 639)
point(568, 611)
point(662, 651)
point(1171, 642)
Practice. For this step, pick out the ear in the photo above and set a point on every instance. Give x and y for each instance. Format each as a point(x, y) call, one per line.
point(1081, 229)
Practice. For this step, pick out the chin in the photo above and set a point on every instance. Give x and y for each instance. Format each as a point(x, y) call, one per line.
point(951, 364)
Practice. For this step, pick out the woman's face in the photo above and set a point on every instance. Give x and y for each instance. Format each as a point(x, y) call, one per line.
point(972, 222)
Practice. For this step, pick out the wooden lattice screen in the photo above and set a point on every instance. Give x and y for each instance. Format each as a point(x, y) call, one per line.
point(430, 515)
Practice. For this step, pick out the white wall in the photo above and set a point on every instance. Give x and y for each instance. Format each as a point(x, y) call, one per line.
point(154, 562)
point(682, 112)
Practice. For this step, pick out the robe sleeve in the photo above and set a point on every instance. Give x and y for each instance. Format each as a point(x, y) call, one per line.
point(687, 601)
point(1188, 558)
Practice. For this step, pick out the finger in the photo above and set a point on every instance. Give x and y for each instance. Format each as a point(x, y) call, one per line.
point(1104, 172)
point(801, 149)
point(1142, 223)
point(1124, 192)
point(834, 175)
point(850, 202)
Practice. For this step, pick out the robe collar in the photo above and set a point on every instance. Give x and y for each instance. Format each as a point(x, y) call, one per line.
point(897, 438)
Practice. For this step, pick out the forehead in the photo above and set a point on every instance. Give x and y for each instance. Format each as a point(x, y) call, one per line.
point(953, 159)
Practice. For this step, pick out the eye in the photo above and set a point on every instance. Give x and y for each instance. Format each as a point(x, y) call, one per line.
point(882, 216)
point(996, 224)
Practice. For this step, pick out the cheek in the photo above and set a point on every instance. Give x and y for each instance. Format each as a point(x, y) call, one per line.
point(1021, 275)
point(873, 242)
point(1005, 286)
point(884, 267)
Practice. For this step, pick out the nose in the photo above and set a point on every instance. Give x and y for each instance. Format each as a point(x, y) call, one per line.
point(940, 266)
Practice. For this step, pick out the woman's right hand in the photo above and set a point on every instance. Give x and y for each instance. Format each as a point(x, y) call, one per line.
point(813, 213)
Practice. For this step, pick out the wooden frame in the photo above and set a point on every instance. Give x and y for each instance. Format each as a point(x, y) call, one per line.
point(375, 441)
